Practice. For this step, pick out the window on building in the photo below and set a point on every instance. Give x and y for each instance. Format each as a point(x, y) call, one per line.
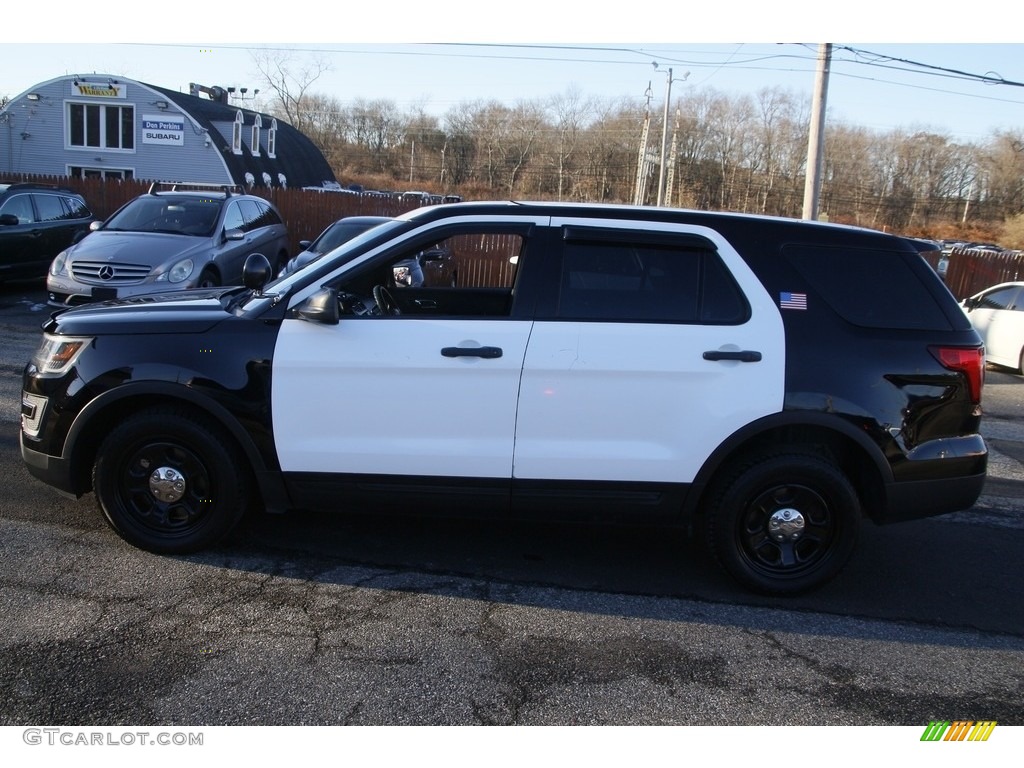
point(272, 139)
point(81, 172)
point(257, 123)
point(103, 126)
point(236, 134)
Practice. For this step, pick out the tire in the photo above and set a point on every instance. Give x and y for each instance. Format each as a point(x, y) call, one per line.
point(208, 279)
point(812, 506)
point(156, 515)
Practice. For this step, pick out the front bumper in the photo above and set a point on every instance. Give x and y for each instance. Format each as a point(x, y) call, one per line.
point(55, 471)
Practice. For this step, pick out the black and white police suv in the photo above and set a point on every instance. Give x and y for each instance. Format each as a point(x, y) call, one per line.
point(764, 382)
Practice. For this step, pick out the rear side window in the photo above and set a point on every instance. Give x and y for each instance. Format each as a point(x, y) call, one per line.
point(870, 288)
point(50, 208)
point(647, 282)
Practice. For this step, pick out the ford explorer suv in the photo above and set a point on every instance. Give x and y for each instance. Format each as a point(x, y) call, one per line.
point(766, 384)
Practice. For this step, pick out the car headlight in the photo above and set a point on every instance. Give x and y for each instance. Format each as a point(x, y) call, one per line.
point(178, 272)
point(59, 266)
point(57, 353)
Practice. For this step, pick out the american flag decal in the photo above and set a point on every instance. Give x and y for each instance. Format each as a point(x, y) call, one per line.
point(792, 300)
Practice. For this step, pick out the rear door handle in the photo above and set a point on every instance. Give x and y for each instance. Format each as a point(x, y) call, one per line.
point(488, 352)
point(744, 355)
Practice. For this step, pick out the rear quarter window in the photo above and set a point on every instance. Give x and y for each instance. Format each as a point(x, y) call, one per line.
point(869, 287)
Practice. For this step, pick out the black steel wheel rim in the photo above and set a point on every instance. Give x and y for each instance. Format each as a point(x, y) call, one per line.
point(788, 557)
point(176, 517)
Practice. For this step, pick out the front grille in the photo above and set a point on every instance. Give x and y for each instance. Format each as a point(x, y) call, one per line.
point(107, 273)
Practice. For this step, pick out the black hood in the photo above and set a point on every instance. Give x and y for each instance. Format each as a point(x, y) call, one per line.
point(193, 311)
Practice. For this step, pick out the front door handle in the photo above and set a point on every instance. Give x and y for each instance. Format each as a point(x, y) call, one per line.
point(744, 355)
point(488, 352)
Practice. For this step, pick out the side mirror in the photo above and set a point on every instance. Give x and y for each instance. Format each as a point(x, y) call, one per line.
point(233, 234)
point(8, 219)
point(256, 272)
point(321, 307)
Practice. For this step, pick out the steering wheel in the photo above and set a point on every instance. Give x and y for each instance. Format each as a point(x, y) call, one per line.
point(385, 301)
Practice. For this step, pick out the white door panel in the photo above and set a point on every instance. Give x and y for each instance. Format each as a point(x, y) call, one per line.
point(376, 396)
point(638, 402)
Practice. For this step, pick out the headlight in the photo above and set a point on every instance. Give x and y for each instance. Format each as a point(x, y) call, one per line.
point(179, 271)
point(60, 264)
point(57, 353)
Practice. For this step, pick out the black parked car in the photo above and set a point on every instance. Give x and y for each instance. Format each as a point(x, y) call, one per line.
point(337, 233)
point(747, 378)
point(36, 223)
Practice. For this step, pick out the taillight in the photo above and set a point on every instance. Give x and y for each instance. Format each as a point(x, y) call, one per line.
point(968, 360)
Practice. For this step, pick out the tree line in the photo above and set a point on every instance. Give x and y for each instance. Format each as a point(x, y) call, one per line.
point(728, 152)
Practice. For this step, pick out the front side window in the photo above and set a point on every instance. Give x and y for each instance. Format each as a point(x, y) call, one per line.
point(468, 274)
point(101, 126)
point(234, 219)
point(20, 206)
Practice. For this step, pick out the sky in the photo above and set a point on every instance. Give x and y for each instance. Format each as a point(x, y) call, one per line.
point(963, 78)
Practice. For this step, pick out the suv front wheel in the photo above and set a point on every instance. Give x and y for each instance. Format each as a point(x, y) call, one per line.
point(783, 523)
point(168, 483)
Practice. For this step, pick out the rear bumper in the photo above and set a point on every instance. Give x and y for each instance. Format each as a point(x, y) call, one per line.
point(938, 477)
point(927, 498)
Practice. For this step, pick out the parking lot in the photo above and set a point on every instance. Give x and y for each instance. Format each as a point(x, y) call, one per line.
point(350, 619)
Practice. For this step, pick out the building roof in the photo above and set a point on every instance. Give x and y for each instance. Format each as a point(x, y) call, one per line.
point(297, 158)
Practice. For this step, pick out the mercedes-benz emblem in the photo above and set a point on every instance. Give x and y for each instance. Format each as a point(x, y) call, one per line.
point(106, 272)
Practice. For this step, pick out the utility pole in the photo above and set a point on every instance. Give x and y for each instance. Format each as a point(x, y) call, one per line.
point(643, 162)
point(816, 135)
point(664, 130)
point(664, 138)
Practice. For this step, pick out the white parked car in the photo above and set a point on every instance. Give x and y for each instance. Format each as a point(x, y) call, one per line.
point(997, 313)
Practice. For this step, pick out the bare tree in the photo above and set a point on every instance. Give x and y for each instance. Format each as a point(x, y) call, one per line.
point(572, 113)
point(290, 80)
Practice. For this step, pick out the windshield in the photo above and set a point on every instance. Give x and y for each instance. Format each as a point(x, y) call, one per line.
point(338, 233)
point(182, 216)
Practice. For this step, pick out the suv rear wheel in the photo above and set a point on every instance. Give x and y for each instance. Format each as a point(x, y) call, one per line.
point(783, 523)
point(169, 483)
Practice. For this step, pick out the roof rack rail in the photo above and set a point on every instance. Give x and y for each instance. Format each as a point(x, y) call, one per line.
point(176, 186)
point(11, 185)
